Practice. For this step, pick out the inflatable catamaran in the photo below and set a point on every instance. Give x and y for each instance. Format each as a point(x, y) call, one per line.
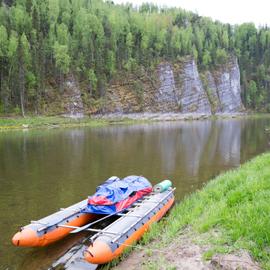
point(132, 199)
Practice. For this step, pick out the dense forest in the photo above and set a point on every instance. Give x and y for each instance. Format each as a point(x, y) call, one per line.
point(42, 41)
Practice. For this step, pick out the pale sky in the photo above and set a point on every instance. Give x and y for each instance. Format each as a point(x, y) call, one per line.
point(227, 11)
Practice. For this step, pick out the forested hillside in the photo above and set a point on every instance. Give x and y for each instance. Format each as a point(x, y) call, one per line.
point(43, 41)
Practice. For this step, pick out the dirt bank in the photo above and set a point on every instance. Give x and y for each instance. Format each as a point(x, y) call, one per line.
point(187, 252)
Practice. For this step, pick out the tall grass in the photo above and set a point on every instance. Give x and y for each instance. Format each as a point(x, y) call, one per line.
point(237, 204)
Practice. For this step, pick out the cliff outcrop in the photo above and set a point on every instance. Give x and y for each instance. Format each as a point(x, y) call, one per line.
point(191, 94)
point(178, 87)
point(223, 88)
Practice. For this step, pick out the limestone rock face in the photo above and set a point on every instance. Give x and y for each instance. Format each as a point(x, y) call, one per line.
point(178, 88)
point(228, 88)
point(181, 89)
point(224, 90)
point(211, 90)
point(192, 97)
point(165, 97)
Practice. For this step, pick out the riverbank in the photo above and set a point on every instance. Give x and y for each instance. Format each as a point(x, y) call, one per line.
point(32, 122)
point(225, 225)
point(37, 122)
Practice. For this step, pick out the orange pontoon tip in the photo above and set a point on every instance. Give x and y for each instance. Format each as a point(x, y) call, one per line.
point(47, 230)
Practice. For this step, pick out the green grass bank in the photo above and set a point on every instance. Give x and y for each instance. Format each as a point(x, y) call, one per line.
point(36, 122)
point(33, 122)
point(235, 206)
point(236, 203)
point(9, 123)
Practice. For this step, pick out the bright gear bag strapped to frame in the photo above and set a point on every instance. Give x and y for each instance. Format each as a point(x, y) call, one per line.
point(115, 195)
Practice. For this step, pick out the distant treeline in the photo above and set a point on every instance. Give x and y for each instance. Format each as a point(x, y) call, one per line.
point(42, 41)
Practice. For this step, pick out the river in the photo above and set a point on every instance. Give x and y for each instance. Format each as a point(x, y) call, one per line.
point(44, 170)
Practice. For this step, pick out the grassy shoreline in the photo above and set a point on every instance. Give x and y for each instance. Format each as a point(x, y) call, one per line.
point(43, 122)
point(235, 206)
point(38, 122)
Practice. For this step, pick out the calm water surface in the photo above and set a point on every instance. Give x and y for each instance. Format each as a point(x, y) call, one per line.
point(41, 171)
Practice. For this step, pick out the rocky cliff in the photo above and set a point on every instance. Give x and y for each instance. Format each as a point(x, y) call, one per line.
point(223, 88)
point(169, 88)
point(179, 88)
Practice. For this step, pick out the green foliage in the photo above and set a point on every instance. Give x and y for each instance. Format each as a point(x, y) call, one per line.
point(110, 63)
point(3, 41)
point(1, 108)
point(31, 83)
point(92, 79)
point(221, 56)
point(225, 39)
point(206, 59)
point(12, 45)
point(55, 37)
point(20, 19)
point(252, 93)
point(62, 34)
point(131, 64)
point(62, 59)
point(26, 56)
point(195, 53)
point(17, 110)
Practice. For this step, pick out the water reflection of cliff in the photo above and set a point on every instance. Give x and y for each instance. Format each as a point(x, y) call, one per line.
point(191, 150)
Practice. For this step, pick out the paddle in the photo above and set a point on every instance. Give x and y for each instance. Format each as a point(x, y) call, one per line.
point(94, 222)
